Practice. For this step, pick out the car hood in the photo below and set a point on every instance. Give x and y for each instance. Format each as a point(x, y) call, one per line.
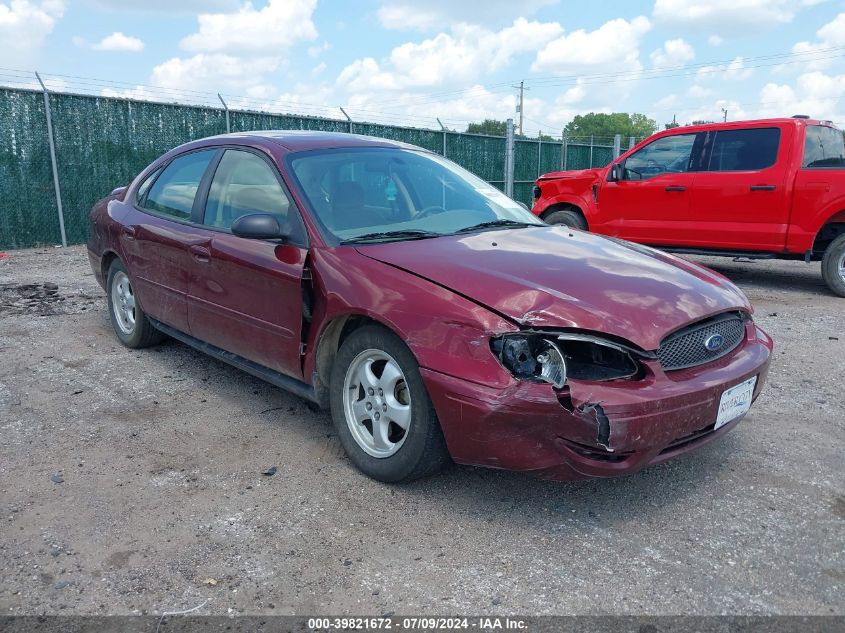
point(588, 174)
point(557, 277)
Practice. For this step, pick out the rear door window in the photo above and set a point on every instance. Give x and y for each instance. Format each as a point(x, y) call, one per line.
point(824, 147)
point(744, 150)
point(173, 192)
point(144, 187)
point(667, 155)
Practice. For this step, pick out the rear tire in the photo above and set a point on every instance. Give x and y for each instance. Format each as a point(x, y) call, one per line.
point(567, 217)
point(128, 319)
point(381, 409)
point(833, 266)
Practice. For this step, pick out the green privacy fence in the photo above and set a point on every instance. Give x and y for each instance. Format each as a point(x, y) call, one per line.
point(103, 142)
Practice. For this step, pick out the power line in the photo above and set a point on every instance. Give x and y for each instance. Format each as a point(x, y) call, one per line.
point(658, 72)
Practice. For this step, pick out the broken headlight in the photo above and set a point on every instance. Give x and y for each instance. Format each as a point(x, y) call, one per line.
point(552, 358)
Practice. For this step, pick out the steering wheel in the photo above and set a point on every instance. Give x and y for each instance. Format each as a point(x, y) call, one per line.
point(432, 210)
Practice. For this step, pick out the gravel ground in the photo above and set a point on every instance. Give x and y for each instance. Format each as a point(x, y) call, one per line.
point(162, 503)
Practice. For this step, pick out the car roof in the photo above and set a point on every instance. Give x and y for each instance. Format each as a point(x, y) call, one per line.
point(797, 121)
point(300, 140)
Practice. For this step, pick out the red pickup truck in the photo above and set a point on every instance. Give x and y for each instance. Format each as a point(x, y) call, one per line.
point(771, 188)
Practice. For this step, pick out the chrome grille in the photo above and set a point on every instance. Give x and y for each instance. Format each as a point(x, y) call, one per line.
point(686, 348)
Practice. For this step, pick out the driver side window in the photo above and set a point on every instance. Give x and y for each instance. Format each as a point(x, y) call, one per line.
point(245, 184)
point(667, 155)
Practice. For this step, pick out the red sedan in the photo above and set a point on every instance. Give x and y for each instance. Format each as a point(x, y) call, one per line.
point(436, 317)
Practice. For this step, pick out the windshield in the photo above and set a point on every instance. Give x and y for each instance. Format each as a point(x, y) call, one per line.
point(824, 147)
point(383, 194)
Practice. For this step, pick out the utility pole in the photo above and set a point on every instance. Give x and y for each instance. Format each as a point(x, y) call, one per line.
point(725, 113)
point(520, 106)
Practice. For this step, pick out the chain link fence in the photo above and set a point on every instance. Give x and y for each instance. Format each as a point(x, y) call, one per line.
point(104, 142)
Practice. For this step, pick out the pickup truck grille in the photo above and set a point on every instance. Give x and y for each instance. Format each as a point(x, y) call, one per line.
point(688, 347)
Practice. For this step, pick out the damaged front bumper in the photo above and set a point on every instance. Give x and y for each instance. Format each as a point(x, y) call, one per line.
point(593, 429)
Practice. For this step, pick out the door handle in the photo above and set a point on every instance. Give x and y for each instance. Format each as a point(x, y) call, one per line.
point(675, 189)
point(763, 187)
point(200, 253)
point(128, 232)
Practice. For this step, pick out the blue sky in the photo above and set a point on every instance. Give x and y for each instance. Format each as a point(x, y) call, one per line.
point(410, 61)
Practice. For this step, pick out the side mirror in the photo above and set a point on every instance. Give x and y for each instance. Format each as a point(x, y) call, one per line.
point(258, 226)
point(616, 173)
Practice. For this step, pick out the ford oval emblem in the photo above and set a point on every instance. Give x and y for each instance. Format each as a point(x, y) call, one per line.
point(714, 343)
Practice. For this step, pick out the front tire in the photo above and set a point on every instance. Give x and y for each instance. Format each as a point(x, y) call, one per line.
point(833, 266)
point(128, 319)
point(381, 409)
point(567, 217)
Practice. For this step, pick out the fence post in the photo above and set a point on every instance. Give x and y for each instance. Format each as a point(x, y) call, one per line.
point(226, 108)
point(56, 186)
point(539, 152)
point(564, 151)
point(509, 149)
point(443, 127)
point(631, 142)
point(617, 146)
point(591, 151)
point(348, 118)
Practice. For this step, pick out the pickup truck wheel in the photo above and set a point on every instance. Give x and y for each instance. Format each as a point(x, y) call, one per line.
point(833, 266)
point(381, 409)
point(567, 217)
point(131, 325)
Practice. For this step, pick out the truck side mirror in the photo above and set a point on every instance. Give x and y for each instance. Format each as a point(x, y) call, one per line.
point(616, 171)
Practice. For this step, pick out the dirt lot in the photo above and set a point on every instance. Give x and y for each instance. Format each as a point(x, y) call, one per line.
point(163, 504)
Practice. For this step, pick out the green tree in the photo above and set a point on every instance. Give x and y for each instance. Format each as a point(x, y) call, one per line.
point(598, 124)
point(491, 127)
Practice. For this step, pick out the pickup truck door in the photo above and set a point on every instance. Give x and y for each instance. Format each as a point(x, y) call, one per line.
point(653, 195)
point(740, 199)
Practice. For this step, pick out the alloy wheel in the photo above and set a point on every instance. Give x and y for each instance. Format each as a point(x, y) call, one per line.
point(123, 302)
point(377, 403)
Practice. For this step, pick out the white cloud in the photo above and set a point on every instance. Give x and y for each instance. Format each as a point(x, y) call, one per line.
point(815, 93)
point(732, 71)
point(476, 104)
point(672, 54)
point(269, 30)
point(614, 45)
point(316, 51)
point(715, 40)
point(667, 102)
point(214, 72)
point(234, 52)
point(167, 6)
point(24, 26)
point(431, 14)
point(726, 16)
point(117, 42)
point(699, 92)
point(817, 55)
point(460, 56)
point(833, 32)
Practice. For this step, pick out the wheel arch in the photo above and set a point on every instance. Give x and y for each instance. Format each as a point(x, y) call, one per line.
point(332, 336)
point(105, 263)
point(564, 206)
point(833, 227)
